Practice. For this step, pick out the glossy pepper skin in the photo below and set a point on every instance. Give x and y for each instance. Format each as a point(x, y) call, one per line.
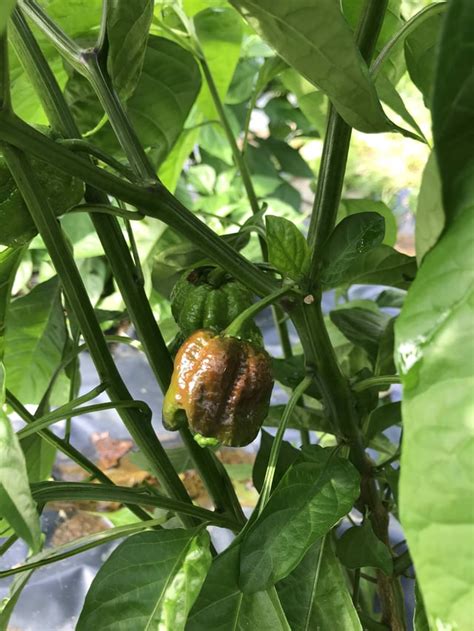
point(62, 191)
point(208, 298)
point(221, 387)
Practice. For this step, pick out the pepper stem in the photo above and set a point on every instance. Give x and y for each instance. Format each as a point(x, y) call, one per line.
point(216, 277)
point(236, 325)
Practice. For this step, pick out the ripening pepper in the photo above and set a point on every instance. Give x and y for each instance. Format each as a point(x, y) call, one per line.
point(221, 388)
point(208, 298)
point(62, 191)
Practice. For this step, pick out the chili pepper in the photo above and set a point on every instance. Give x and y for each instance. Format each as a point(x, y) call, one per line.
point(208, 298)
point(221, 387)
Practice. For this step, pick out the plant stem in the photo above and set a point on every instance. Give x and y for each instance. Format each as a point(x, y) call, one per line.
point(77, 491)
point(67, 449)
point(237, 155)
point(214, 475)
point(275, 450)
point(330, 181)
point(375, 382)
point(107, 209)
point(310, 322)
point(336, 145)
point(400, 36)
point(139, 427)
point(75, 144)
point(158, 201)
point(50, 419)
point(234, 327)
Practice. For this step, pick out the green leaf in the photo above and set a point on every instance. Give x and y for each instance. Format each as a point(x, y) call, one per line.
point(162, 571)
point(391, 24)
point(349, 207)
point(309, 500)
point(159, 106)
point(16, 504)
point(302, 418)
point(219, 31)
point(385, 363)
point(435, 347)
point(222, 605)
point(128, 24)
point(9, 602)
point(243, 81)
point(168, 86)
point(420, 53)
point(288, 455)
point(312, 102)
point(289, 159)
point(5, 11)
point(315, 595)
point(391, 297)
point(39, 457)
point(287, 247)
point(352, 237)
point(360, 547)
point(453, 108)
point(420, 621)
point(362, 327)
point(35, 339)
point(9, 261)
point(390, 96)
point(430, 217)
point(317, 41)
point(381, 266)
point(291, 371)
point(382, 418)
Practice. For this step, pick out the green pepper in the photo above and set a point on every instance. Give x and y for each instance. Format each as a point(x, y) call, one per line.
point(208, 298)
point(62, 191)
point(221, 388)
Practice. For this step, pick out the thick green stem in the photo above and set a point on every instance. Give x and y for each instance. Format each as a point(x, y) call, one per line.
point(139, 427)
point(310, 323)
point(214, 475)
point(336, 145)
point(158, 201)
point(309, 320)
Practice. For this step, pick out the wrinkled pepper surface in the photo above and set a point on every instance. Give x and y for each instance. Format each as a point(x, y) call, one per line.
point(221, 388)
point(208, 298)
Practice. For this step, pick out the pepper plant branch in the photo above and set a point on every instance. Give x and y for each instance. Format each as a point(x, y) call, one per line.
point(276, 445)
point(83, 146)
point(139, 427)
point(336, 145)
point(68, 450)
point(158, 201)
point(65, 491)
point(237, 155)
point(50, 419)
point(375, 382)
point(214, 475)
point(241, 163)
point(234, 327)
point(310, 322)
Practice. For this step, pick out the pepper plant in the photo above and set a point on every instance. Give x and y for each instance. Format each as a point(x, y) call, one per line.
point(132, 164)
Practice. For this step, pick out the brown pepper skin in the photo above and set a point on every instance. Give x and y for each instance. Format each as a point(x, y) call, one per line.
point(221, 386)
